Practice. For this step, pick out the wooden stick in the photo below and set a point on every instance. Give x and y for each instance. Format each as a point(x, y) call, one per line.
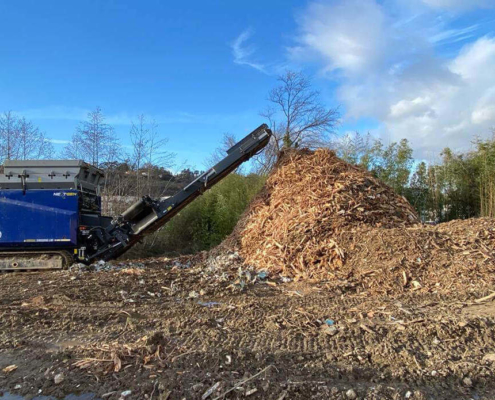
point(242, 383)
point(486, 298)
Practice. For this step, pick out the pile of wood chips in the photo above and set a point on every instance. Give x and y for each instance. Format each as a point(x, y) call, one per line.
point(308, 201)
point(458, 255)
point(320, 218)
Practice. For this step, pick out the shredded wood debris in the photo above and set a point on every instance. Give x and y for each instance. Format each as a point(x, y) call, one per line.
point(320, 218)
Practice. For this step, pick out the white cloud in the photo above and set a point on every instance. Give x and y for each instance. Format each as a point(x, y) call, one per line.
point(242, 51)
point(390, 71)
point(420, 106)
point(349, 35)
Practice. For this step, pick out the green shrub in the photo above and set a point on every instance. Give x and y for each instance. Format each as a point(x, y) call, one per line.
point(205, 222)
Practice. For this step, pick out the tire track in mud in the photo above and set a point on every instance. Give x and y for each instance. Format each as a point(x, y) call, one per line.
point(427, 342)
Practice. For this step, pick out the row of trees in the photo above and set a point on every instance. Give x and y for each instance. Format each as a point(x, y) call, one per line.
point(21, 140)
point(142, 168)
point(458, 186)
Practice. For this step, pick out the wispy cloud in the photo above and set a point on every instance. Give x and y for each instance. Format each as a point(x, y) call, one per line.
point(58, 141)
point(55, 112)
point(242, 51)
point(77, 114)
point(454, 35)
point(459, 4)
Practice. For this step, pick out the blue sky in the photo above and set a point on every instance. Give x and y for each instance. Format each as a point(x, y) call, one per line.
point(422, 69)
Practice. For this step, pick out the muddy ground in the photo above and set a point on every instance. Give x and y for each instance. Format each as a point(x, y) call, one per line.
point(172, 330)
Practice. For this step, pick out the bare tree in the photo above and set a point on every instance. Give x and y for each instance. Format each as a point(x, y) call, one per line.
point(33, 143)
point(74, 149)
point(296, 116)
point(94, 140)
point(228, 140)
point(139, 137)
point(9, 136)
point(157, 155)
point(21, 140)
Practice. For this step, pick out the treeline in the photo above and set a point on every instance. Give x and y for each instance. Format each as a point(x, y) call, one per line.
point(457, 186)
point(131, 171)
point(21, 140)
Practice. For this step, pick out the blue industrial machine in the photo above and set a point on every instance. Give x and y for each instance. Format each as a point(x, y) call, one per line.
point(50, 211)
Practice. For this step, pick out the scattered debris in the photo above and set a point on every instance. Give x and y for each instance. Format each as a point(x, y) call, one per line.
point(58, 379)
point(208, 303)
point(486, 298)
point(329, 329)
point(250, 392)
point(262, 275)
point(210, 391)
point(467, 382)
point(9, 368)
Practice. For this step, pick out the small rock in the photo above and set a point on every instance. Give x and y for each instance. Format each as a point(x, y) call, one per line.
point(434, 373)
point(58, 379)
point(197, 387)
point(467, 382)
point(351, 394)
point(329, 329)
point(408, 394)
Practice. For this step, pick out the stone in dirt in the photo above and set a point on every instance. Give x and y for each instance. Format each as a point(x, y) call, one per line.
point(59, 378)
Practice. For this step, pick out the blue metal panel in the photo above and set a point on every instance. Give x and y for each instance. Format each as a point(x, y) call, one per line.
point(38, 218)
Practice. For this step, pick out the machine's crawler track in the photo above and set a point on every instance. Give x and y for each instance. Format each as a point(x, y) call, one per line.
point(34, 260)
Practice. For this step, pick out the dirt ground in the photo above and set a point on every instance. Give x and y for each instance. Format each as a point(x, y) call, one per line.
point(176, 329)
